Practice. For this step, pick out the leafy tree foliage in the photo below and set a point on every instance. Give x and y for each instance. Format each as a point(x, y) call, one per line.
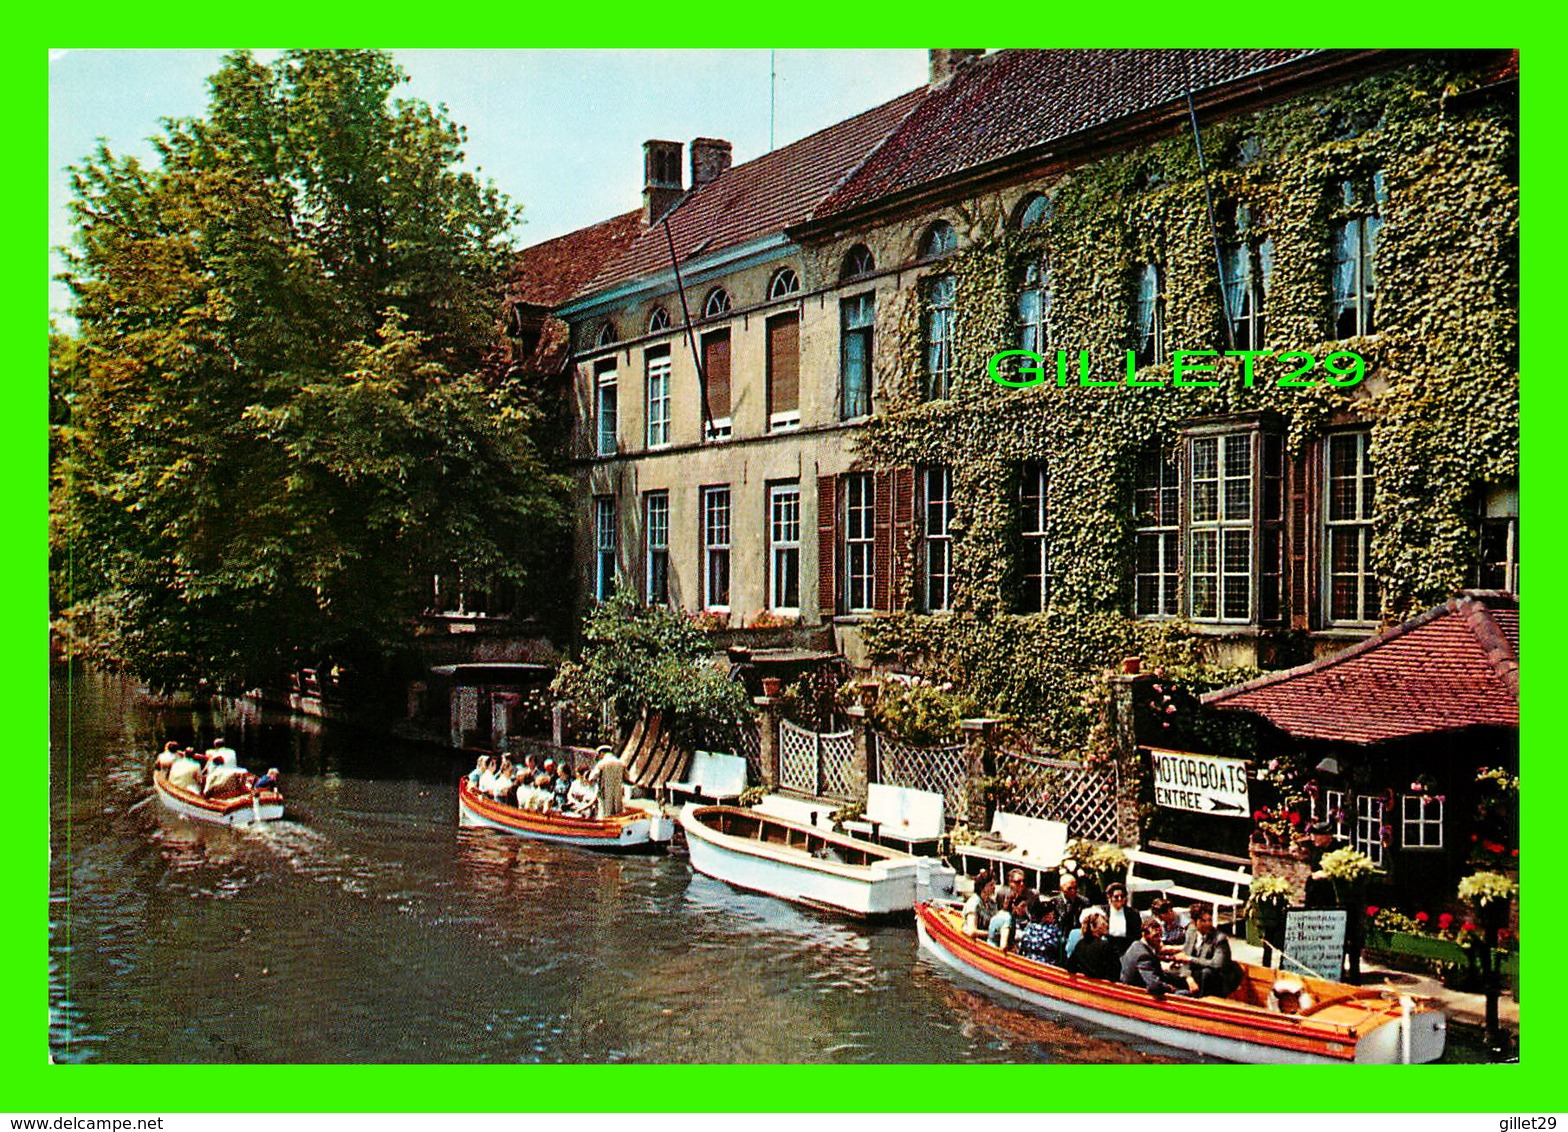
point(277, 421)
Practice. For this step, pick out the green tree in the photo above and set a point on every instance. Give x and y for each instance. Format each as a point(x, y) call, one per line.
point(276, 420)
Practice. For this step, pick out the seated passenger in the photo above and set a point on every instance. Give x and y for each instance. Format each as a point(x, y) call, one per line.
point(487, 776)
point(1207, 955)
point(1075, 936)
point(186, 772)
point(1141, 965)
point(539, 797)
point(981, 908)
point(166, 757)
point(1173, 933)
point(581, 797)
point(563, 784)
point(221, 754)
point(502, 784)
point(1017, 904)
point(481, 765)
point(268, 781)
point(224, 780)
point(1041, 940)
point(1096, 956)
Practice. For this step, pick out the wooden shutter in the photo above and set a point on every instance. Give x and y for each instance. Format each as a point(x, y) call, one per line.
point(903, 535)
point(784, 364)
point(1299, 534)
point(716, 368)
point(882, 545)
point(827, 547)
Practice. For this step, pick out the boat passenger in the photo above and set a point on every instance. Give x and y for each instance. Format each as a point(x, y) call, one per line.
point(544, 793)
point(186, 773)
point(224, 780)
point(1141, 966)
point(1041, 940)
point(580, 798)
point(981, 908)
point(1017, 904)
point(1173, 933)
point(221, 754)
point(1075, 936)
point(480, 766)
point(1126, 924)
point(487, 775)
point(1069, 904)
point(268, 781)
point(166, 757)
point(608, 773)
point(1096, 956)
point(1207, 955)
point(505, 781)
point(563, 785)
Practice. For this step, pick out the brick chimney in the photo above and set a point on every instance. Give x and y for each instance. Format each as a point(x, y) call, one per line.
point(661, 178)
point(945, 61)
point(709, 158)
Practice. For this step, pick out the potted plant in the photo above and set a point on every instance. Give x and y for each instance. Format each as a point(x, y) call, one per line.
point(772, 686)
point(1266, 910)
point(1348, 869)
point(1490, 894)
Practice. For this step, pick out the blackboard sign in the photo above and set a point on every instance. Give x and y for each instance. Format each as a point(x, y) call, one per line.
point(1315, 941)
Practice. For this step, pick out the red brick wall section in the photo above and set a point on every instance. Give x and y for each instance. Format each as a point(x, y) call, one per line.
point(1268, 861)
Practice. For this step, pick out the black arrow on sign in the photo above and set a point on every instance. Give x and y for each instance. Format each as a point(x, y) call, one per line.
point(1216, 804)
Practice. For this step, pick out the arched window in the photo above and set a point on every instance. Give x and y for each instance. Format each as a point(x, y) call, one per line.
point(1033, 211)
point(1034, 307)
point(1248, 151)
point(785, 282)
point(718, 303)
point(858, 262)
point(1148, 337)
point(658, 320)
point(939, 240)
point(607, 335)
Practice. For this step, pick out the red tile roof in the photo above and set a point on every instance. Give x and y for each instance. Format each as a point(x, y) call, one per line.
point(548, 274)
point(1452, 667)
point(1013, 101)
point(763, 196)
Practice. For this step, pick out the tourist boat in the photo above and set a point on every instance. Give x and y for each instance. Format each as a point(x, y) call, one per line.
point(807, 865)
point(252, 806)
point(1342, 1024)
point(629, 829)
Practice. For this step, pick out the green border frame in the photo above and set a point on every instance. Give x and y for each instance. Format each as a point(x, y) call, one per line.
point(31, 1084)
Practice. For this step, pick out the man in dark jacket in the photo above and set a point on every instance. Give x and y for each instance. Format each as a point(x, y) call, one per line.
point(1069, 905)
point(1141, 965)
point(1207, 955)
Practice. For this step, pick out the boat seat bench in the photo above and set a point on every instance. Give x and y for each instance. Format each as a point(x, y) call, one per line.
point(1038, 846)
point(1229, 891)
point(716, 777)
point(912, 819)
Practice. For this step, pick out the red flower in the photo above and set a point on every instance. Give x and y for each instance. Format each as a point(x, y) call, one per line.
point(1469, 926)
point(1295, 818)
point(1259, 815)
point(1504, 936)
point(1372, 911)
point(1516, 852)
point(1422, 918)
point(1493, 847)
point(1445, 921)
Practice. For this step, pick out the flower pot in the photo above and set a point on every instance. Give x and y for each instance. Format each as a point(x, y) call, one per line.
point(772, 686)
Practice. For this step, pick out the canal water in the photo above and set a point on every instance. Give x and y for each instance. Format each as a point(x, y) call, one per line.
point(367, 927)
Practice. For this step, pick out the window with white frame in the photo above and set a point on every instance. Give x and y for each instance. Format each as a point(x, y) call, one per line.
point(1499, 552)
point(607, 335)
point(1330, 807)
point(1034, 308)
point(1353, 596)
point(1149, 318)
point(1221, 506)
point(656, 547)
point(658, 369)
point(784, 547)
point(1358, 220)
point(604, 547)
point(858, 315)
point(939, 239)
point(939, 338)
point(1248, 264)
point(1421, 821)
point(859, 542)
point(605, 392)
point(716, 304)
point(785, 282)
point(858, 262)
point(1157, 503)
point(936, 542)
point(1034, 568)
point(1035, 211)
point(1369, 827)
point(658, 320)
point(716, 548)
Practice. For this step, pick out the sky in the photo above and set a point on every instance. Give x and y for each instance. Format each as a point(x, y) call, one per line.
point(559, 132)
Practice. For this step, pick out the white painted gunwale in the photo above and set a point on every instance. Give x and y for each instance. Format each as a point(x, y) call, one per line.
point(230, 811)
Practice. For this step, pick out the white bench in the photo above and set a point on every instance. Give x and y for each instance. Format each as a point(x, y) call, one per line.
point(716, 777)
point(1038, 846)
point(903, 815)
point(1232, 878)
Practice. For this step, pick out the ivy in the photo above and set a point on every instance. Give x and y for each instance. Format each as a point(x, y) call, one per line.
point(1441, 398)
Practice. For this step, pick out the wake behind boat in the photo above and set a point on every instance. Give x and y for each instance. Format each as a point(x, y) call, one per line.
point(629, 829)
point(252, 806)
point(807, 865)
point(1343, 1024)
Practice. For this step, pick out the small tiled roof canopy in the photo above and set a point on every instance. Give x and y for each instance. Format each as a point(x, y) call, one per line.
point(1452, 667)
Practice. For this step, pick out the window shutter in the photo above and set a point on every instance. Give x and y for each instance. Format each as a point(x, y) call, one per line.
point(1299, 579)
point(903, 534)
point(882, 534)
point(827, 547)
point(784, 364)
point(716, 368)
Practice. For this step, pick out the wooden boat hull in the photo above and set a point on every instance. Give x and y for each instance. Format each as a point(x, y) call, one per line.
point(631, 829)
point(808, 865)
point(265, 805)
point(1347, 1024)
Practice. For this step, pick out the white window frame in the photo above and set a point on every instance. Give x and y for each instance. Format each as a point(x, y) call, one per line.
point(1357, 527)
point(606, 396)
point(1231, 523)
point(1370, 820)
point(604, 547)
point(659, 401)
point(1354, 253)
point(859, 541)
point(1333, 802)
point(783, 545)
point(785, 282)
point(939, 315)
point(1034, 530)
point(1419, 821)
point(717, 517)
point(1163, 529)
point(656, 540)
point(857, 322)
point(1500, 509)
point(936, 538)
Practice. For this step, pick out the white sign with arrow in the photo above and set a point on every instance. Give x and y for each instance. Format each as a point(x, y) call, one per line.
point(1204, 784)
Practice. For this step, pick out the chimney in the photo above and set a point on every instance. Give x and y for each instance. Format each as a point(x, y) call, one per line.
point(661, 178)
point(709, 158)
point(945, 61)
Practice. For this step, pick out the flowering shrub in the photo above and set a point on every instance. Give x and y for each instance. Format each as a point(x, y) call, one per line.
point(767, 619)
point(1389, 920)
point(1481, 889)
point(708, 621)
point(1271, 893)
point(1277, 826)
point(1347, 865)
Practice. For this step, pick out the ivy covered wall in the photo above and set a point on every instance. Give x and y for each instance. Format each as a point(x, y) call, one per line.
point(1441, 398)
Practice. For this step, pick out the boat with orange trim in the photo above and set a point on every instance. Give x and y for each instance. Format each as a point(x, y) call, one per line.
point(1342, 1023)
point(244, 809)
point(629, 829)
